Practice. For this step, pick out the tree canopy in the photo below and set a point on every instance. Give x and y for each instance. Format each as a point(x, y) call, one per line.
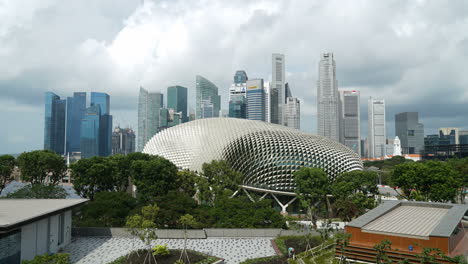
point(7, 165)
point(93, 175)
point(41, 167)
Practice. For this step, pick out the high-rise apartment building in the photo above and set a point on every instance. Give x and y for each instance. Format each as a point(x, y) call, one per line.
point(148, 116)
point(102, 100)
point(123, 141)
point(349, 119)
point(255, 100)
point(76, 107)
point(376, 134)
point(54, 123)
point(327, 98)
point(293, 112)
point(177, 99)
point(90, 130)
point(410, 132)
point(206, 91)
point(277, 93)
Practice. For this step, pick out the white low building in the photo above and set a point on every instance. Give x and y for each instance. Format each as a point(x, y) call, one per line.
point(30, 227)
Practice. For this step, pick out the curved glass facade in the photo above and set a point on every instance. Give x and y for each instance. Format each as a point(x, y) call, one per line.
point(206, 91)
point(267, 154)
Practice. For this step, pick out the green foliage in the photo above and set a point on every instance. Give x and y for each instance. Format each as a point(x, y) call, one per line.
point(161, 250)
point(59, 258)
point(186, 181)
point(7, 164)
point(93, 175)
point(179, 261)
point(39, 191)
point(263, 260)
point(461, 167)
point(172, 206)
point(40, 166)
point(312, 189)
point(154, 177)
point(434, 181)
point(239, 212)
point(218, 180)
point(387, 164)
point(297, 242)
point(187, 221)
point(382, 248)
point(143, 225)
point(109, 209)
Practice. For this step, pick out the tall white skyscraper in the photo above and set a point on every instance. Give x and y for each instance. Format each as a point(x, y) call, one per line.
point(293, 112)
point(327, 98)
point(376, 134)
point(266, 88)
point(350, 120)
point(277, 89)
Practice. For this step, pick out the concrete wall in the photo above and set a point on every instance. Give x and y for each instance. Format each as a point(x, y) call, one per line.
point(41, 237)
point(203, 233)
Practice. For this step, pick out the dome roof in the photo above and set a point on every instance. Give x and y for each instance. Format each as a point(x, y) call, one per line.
point(267, 154)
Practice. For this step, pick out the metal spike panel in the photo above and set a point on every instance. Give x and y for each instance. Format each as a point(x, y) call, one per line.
point(267, 154)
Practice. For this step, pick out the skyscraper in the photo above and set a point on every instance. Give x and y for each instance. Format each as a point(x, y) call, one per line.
point(410, 132)
point(206, 90)
point(293, 112)
point(349, 119)
point(148, 116)
point(76, 107)
point(287, 93)
point(168, 117)
point(123, 141)
point(376, 134)
point(90, 130)
point(102, 100)
point(277, 95)
point(207, 109)
point(54, 123)
point(237, 96)
point(238, 106)
point(267, 89)
point(450, 133)
point(177, 100)
point(255, 100)
point(327, 98)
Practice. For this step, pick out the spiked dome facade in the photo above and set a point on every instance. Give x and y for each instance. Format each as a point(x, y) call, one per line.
point(267, 154)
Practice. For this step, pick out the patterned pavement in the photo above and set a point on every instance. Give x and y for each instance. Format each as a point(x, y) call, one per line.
point(102, 250)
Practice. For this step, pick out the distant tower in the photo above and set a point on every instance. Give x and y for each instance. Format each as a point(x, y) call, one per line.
point(293, 112)
point(277, 89)
point(327, 98)
point(148, 116)
point(177, 100)
point(349, 117)
point(237, 96)
point(255, 100)
point(206, 91)
point(54, 123)
point(397, 147)
point(377, 133)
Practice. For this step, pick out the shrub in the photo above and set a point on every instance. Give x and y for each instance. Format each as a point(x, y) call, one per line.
point(161, 250)
point(60, 258)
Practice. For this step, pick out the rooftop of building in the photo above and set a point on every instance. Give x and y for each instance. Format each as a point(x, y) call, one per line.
point(15, 212)
point(412, 219)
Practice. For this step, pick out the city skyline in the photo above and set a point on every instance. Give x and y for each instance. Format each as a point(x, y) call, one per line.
point(414, 69)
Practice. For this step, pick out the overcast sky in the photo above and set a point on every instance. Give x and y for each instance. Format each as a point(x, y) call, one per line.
point(414, 54)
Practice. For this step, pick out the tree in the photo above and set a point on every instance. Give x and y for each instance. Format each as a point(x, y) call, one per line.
point(186, 181)
point(187, 221)
point(154, 177)
point(218, 179)
point(143, 226)
point(93, 175)
point(109, 209)
point(172, 206)
point(312, 189)
point(41, 167)
point(122, 165)
point(382, 248)
point(432, 180)
point(7, 164)
point(39, 191)
point(461, 166)
point(354, 193)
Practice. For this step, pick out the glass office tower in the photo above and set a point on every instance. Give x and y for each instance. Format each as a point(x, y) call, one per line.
point(54, 123)
point(177, 100)
point(238, 106)
point(148, 116)
point(255, 100)
point(410, 132)
point(76, 107)
point(90, 128)
point(105, 127)
point(206, 90)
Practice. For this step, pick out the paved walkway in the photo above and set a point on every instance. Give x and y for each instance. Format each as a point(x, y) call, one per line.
point(101, 250)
